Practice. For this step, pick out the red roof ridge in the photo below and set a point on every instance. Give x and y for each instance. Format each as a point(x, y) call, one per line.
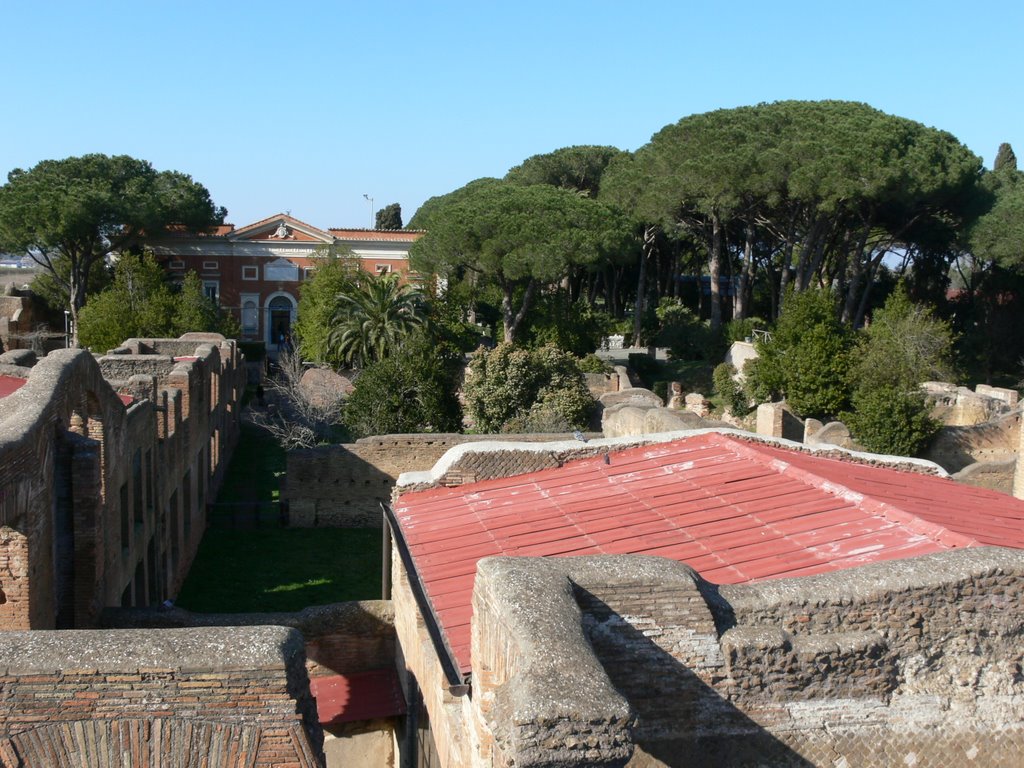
point(937, 533)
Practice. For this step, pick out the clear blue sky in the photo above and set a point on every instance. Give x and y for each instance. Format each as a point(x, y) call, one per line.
point(307, 106)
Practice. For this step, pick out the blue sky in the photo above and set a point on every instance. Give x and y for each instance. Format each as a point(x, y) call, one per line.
point(307, 106)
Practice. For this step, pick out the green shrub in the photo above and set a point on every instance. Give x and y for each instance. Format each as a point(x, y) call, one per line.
point(411, 392)
point(685, 336)
point(577, 327)
point(807, 360)
point(891, 420)
point(742, 329)
point(512, 389)
point(594, 364)
point(731, 393)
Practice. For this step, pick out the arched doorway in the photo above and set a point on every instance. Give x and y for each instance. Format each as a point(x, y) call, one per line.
point(280, 310)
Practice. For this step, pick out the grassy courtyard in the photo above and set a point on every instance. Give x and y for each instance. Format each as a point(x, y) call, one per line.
point(268, 568)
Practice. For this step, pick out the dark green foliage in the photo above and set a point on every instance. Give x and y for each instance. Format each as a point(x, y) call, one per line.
point(68, 214)
point(335, 274)
point(891, 420)
point(685, 336)
point(518, 239)
point(743, 329)
point(52, 285)
point(593, 364)
point(644, 366)
point(140, 303)
point(903, 346)
point(807, 360)
point(411, 392)
point(998, 235)
point(373, 318)
point(575, 326)
point(731, 393)
point(579, 168)
point(1006, 159)
point(389, 217)
point(512, 389)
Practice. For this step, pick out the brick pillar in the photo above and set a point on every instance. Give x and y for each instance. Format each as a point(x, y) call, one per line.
point(14, 586)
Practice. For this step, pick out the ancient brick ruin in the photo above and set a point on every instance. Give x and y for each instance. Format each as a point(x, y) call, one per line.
point(912, 662)
point(107, 468)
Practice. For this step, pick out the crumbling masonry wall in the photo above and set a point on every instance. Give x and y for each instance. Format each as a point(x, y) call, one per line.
point(600, 660)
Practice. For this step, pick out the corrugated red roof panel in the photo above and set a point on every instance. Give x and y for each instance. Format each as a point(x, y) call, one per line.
point(735, 510)
point(356, 697)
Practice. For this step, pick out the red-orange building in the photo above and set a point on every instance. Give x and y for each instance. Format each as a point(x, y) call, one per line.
point(256, 272)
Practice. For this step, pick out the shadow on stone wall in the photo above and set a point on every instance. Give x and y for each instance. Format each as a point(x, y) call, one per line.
point(680, 719)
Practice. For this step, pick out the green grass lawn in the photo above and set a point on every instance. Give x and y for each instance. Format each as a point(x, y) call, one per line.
point(256, 468)
point(282, 569)
point(271, 568)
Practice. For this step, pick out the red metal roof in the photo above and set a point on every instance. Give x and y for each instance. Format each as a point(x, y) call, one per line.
point(10, 384)
point(734, 510)
point(359, 696)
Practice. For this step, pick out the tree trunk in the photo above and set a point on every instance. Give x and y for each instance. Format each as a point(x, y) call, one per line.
point(714, 270)
point(641, 284)
point(739, 299)
point(872, 271)
point(512, 320)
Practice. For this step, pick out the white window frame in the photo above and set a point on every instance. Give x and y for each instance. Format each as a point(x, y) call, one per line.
point(211, 266)
point(176, 264)
point(215, 285)
point(254, 298)
point(383, 269)
point(251, 272)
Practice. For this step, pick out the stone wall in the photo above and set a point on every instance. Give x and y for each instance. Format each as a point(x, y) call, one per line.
point(341, 638)
point(344, 485)
point(139, 698)
point(955, 448)
point(103, 503)
point(909, 662)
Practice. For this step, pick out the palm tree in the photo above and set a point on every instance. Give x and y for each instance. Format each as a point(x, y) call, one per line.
point(373, 317)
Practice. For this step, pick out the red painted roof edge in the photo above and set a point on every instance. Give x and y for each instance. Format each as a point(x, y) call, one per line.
point(937, 533)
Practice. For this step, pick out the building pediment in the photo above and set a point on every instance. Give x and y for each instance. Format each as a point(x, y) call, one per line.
point(281, 228)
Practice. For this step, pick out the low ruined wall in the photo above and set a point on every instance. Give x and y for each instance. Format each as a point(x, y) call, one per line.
point(341, 638)
point(954, 448)
point(343, 486)
point(911, 662)
point(137, 698)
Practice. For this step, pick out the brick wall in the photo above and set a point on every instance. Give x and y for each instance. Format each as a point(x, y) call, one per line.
point(112, 698)
point(341, 638)
point(109, 500)
point(344, 485)
point(912, 662)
